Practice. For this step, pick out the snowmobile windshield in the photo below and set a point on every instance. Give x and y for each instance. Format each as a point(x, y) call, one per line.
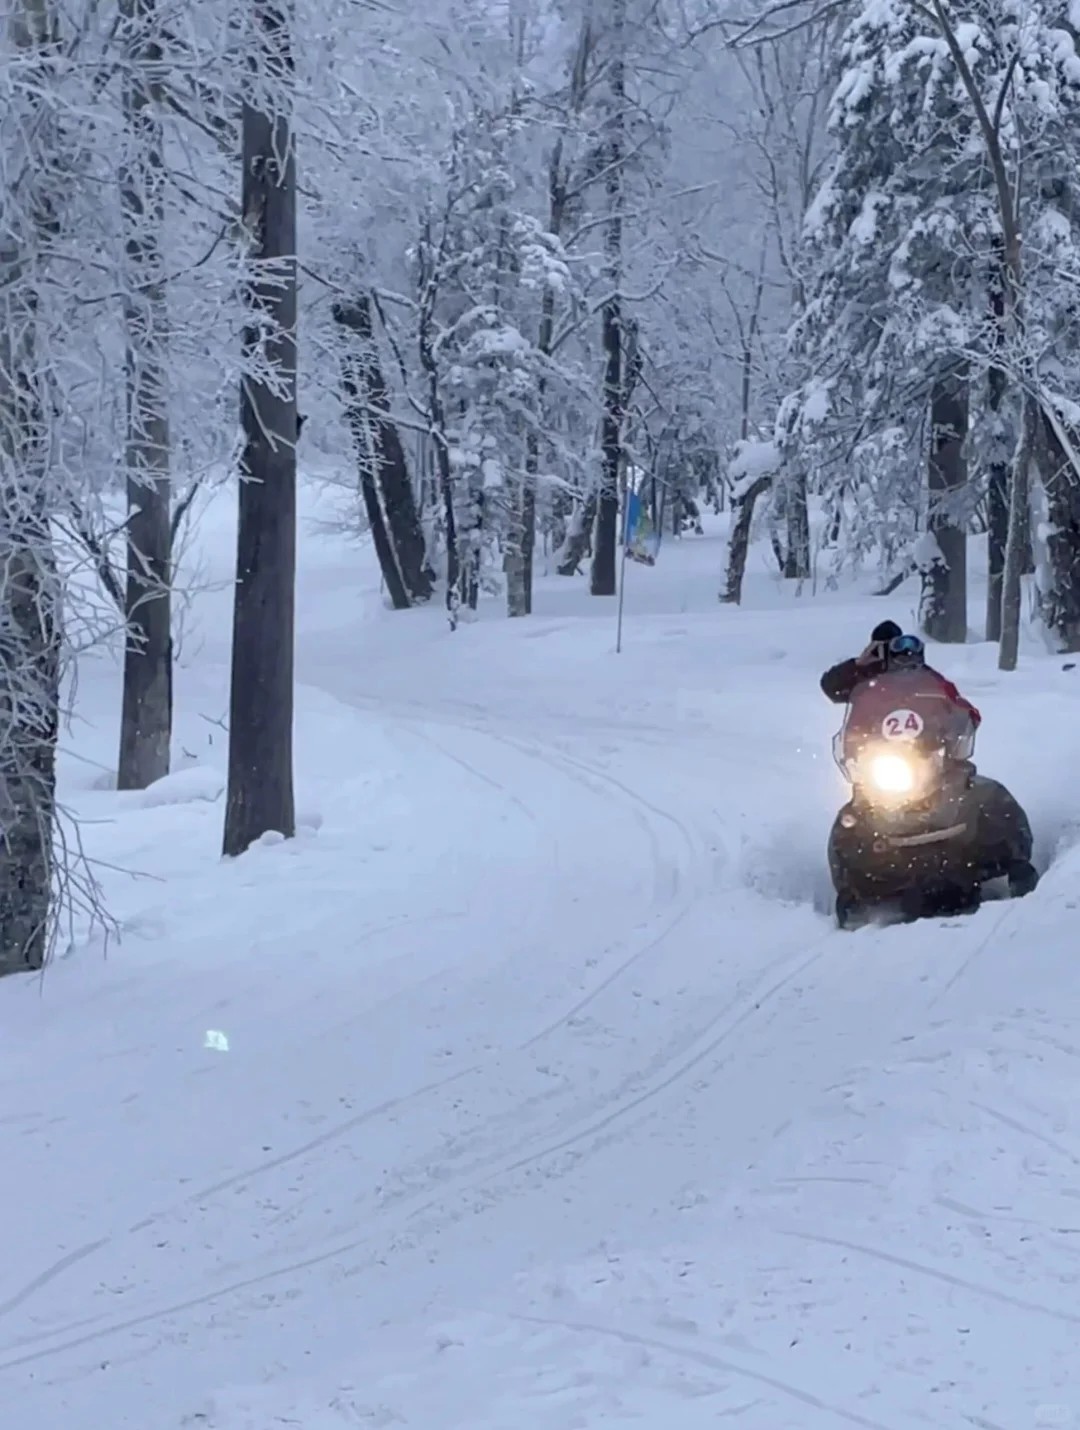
point(904, 710)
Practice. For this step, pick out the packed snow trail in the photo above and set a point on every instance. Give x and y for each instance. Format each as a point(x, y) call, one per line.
point(535, 1111)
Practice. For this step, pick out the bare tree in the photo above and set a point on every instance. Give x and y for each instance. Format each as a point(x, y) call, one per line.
point(602, 580)
point(260, 786)
point(384, 475)
point(146, 718)
point(944, 596)
point(30, 590)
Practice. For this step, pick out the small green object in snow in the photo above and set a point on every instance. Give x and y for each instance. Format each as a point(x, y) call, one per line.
point(218, 1042)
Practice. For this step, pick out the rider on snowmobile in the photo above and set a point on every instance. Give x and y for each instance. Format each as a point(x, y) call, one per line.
point(889, 649)
point(992, 834)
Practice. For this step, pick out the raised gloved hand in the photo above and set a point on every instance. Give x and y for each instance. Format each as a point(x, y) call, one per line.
point(874, 654)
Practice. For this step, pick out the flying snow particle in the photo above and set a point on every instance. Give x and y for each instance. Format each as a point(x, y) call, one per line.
point(218, 1042)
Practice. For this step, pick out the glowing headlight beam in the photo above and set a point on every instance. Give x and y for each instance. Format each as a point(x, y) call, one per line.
point(892, 774)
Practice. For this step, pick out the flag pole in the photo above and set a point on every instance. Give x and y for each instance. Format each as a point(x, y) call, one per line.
point(622, 572)
point(622, 592)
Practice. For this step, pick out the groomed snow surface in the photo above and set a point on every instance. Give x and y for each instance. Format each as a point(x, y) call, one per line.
point(530, 1086)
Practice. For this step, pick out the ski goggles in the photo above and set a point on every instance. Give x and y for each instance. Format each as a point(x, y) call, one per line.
point(906, 646)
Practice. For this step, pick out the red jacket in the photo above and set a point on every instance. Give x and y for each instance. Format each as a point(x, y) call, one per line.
point(839, 682)
point(954, 695)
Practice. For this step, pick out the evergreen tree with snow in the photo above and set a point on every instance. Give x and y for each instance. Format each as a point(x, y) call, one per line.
point(907, 242)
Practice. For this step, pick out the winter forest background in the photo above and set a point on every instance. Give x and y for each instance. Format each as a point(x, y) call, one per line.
point(504, 257)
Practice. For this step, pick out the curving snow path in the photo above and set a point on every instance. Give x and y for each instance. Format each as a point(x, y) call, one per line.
point(541, 1108)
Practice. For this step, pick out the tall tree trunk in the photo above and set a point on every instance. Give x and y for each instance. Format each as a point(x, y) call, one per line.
point(146, 715)
point(944, 597)
point(603, 578)
point(1060, 604)
point(1017, 544)
point(471, 537)
point(576, 544)
point(836, 521)
point(997, 488)
point(519, 583)
point(997, 536)
point(519, 557)
point(429, 365)
point(445, 479)
point(30, 591)
point(260, 790)
point(384, 471)
point(359, 419)
point(742, 519)
point(797, 556)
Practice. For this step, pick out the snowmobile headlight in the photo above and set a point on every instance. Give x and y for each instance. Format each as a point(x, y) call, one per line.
point(892, 774)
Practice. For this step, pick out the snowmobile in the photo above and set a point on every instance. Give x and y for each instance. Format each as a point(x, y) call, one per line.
point(923, 832)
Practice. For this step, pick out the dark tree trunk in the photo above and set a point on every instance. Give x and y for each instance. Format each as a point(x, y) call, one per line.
point(837, 521)
point(398, 537)
point(944, 598)
point(603, 576)
point(30, 590)
point(471, 545)
point(742, 514)
point(260, 792)
point(997, 536)
point(779, 555)
point(29, 693)
point(519, 564)
point(384, 550)
point(146, 715)
point(357, 419)
point(1060, 604)
point(437, 417)
point(896, 580)
point(379, 448)
point(446, 492)
point(519, 585)
point(997, 488)
point(1027, 452)
point(797, 558)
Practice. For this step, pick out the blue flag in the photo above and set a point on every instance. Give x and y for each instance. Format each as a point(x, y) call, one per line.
point(641, 538)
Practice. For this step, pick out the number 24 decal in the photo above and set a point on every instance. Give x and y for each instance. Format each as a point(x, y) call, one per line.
point(902, 725)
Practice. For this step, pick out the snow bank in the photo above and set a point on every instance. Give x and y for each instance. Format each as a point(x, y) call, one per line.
point(183, 786)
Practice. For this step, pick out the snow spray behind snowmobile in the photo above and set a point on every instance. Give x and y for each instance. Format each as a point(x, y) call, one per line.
point(923, 831)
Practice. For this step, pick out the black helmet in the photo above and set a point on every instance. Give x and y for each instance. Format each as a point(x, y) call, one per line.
point(885, 631)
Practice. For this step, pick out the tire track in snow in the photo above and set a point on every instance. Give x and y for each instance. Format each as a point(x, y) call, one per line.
point(933, 1273)
point(536, 1146)
point(533, 1148)
point(31, 1349)
point(481, 1175)
point(713, 1362)
point(22, 1295)
point(680, 900)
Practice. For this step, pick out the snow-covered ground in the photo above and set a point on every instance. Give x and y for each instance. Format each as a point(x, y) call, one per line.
point(530, 1087)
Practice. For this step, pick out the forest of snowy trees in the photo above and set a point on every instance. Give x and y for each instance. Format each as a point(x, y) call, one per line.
point(784, 260)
